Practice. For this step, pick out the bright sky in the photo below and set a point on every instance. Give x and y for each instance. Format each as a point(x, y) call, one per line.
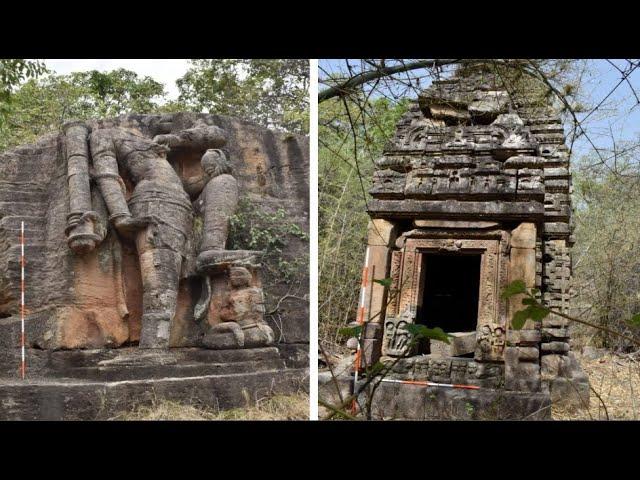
point(165, 71)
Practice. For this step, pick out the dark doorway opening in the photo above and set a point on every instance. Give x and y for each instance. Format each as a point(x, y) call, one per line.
point(450, 292)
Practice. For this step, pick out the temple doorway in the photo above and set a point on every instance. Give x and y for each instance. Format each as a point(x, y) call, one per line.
point(450, 291)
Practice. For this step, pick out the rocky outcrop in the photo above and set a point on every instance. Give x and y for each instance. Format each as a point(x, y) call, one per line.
point(94, 298)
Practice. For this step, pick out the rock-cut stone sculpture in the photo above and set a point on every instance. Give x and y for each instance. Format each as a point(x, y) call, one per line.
point(149, 205)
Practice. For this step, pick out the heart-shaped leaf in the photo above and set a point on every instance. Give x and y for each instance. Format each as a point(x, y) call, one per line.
point(421, 331)
point(385, 282)
point(519, 319)
point(514, 288)
point(350, 331)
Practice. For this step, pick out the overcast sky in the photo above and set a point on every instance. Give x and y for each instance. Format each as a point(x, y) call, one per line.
point(163, 71)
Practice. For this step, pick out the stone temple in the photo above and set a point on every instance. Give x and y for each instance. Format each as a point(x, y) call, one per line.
point(472, 193)
point(131, 293)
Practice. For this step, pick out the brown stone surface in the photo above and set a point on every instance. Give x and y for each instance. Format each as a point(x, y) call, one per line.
point(99, 384)
point(93, 294)
point(471, 170)
point(381, 236)
point(461, 343)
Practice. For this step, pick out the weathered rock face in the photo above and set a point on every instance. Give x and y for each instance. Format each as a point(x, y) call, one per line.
point(125, 227)
point(472, 193)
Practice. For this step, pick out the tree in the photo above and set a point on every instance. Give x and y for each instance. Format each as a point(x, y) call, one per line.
point(118, 92)
point(12, 73)
point(605, 256)
point(348, 145)
point(272, 93)
point(42, 105)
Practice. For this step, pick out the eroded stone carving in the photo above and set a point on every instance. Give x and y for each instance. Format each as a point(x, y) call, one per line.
point(93, 283)
point(396, 337)
point(157, 216)
point(242, 313)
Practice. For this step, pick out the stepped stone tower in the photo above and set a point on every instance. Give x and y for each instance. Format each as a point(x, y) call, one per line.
point(472, 193)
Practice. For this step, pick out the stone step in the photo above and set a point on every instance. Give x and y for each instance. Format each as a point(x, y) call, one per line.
point(63, 399)
point(412, 402)
point(120, 373)
point(133, 362)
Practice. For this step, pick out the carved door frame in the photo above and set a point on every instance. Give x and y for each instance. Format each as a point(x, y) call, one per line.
point(494, 275)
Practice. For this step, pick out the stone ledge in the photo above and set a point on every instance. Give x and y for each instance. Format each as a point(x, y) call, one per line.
point(411, 402)
point(457, 209)
point(135, 363)
point(65, 399)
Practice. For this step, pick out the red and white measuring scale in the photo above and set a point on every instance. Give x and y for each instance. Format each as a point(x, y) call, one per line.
point(361, 309)
point(431, 384)
point(23, 364)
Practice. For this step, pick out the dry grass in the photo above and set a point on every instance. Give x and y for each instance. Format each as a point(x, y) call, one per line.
point(617, 380)
point(277, 407)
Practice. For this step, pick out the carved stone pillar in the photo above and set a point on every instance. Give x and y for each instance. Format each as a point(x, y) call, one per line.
point(522, 356)
point(380, 238)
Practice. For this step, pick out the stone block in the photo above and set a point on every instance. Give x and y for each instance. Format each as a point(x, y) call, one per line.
point(524, 236)
point(372, 330)
point(524, 337)
point(550, 365)
point(388, 184)
point(528, 354)
point(554, 321)
point(461, 343)
point(549, 333)
point(555, 347)
point(371, 350)
point(410, 402)
point(520, 376)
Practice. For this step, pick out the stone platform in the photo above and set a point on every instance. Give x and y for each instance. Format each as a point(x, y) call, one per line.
point(99, 384)
point(414, 402)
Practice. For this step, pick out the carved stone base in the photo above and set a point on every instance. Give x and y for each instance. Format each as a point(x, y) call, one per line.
point(410, 402)
point(231, 336)
point(565, 380)
point(100, 384)
point(215, 261)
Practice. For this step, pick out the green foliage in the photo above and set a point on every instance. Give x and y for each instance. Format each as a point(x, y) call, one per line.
point(345, 170)
point(375, 369)
point(469, 408)
point(634, 321)
point(270, 92)
point(252, 228)
point(385, 282)
point(350, 331)
point(419, 331)
point(43, 105)
point(118, 92)
point(534, 310)
point(606, 273)
point(12, 72)
point(514, 288)
point(273, 93)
